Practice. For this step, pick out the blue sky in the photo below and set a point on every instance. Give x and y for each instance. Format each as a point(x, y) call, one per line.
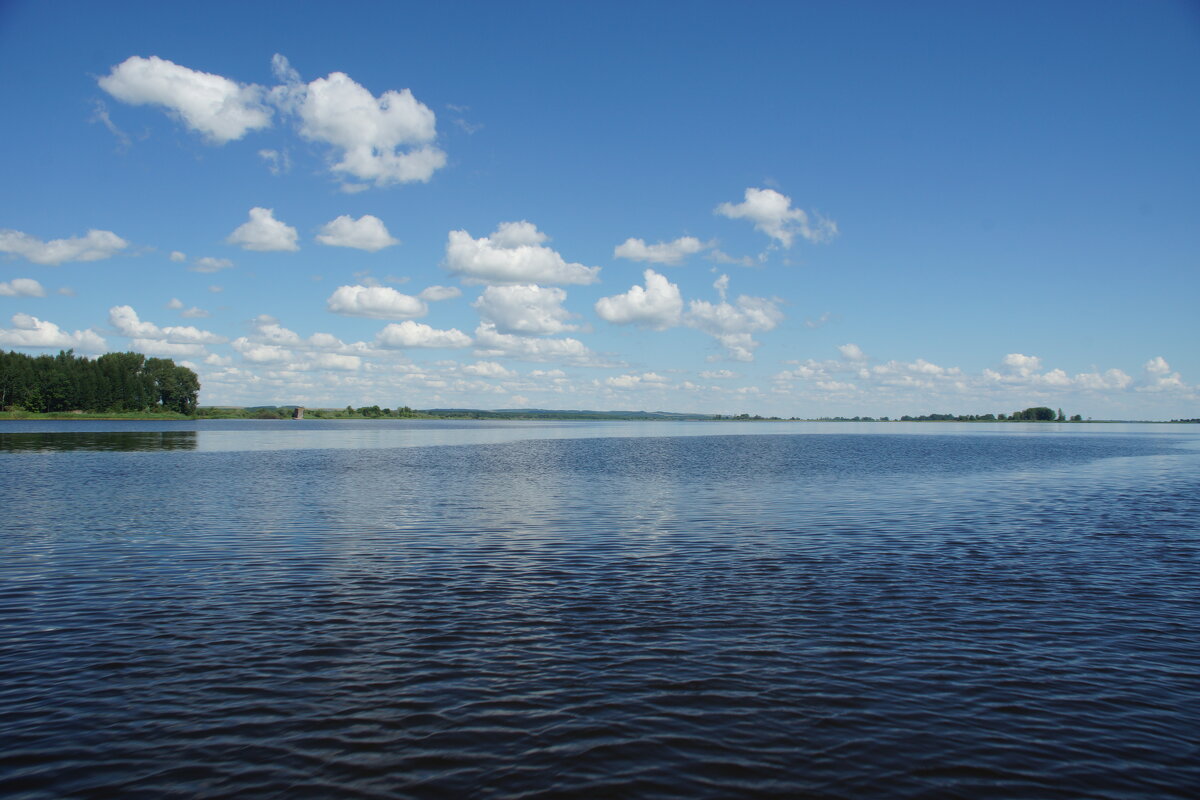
point(778, 208)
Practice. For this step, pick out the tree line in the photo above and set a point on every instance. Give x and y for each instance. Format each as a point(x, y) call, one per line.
point(114, 382)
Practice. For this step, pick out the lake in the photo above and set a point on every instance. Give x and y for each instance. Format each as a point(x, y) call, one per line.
point(562, 609)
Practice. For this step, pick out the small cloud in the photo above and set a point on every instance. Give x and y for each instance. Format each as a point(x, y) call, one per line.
point(772, 213)
point(670, 253)
point(22, 287)
point(435, 293)
point(264, 233)
point(380, 302)
point(100, 114)
point(194, 313)
point(210, 264)
point(366, 233)
point(278, 162)
point(94, 246)
point(175, 303)
point(178, 257)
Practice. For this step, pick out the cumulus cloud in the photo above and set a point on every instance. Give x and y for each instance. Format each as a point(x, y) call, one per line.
point(178, 257)
point(365, 233)
point(437, 293)
point(263, 232)
point(657, 306)
point(379, 302)
point(383, 140)
point(22, 287)
point(772, 213)
point(127, 322)
point(1022, 364)
point(29, 331)
point(95, 246)
point(720, 374)
point(852, 352)
point(525, 309)
point(418, 334)
point(488, 369)
point(630, 381)
point(513, 253)
point(661, 253)
point(1160, 378)
point(492, 343)
point(220, 109)
point(211, 264)
point(732, 324)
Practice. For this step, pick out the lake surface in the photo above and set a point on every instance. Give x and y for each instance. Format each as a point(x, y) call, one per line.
point(413, 609)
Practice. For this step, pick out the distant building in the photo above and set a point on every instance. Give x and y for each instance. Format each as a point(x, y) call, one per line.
point(298, 413)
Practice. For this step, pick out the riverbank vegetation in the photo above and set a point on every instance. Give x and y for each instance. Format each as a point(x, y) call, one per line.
point(113, 385)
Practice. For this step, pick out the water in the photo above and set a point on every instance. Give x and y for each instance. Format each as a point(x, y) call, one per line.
point(390, 609)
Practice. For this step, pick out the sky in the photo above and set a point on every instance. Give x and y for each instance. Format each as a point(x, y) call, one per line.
point(780, 208)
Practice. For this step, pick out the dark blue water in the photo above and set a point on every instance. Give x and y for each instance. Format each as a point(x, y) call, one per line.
point(598, 610)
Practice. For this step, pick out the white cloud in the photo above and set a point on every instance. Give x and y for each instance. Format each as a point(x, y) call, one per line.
point(194, 313)
point(527, 309)
point(1022, 364)
point(1157, 366)
point(383, 140)
point(436, 293)
point(95, 246)
point(488, 369)
point(257, 353)
point(178, 257)
point(719, 374)
point(731, 324)
point(852, 352)
point(278, 163)
point(211, 264)
point(366, 233)
point(661, 253)
point(336, 361)
point(29, 331)
point(22, 287)
point(1159, 377)
point(417, 334)
point(514, 253)
point(657, 306)
point(220, 109)
point(631, 381)
point(127, 322)
point(263, 232)
point(163, 348)
point(772, 213)
point(379, 302)
point(174, 303)
point(492, 343)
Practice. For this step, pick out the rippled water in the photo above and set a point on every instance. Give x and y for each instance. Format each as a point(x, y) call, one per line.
point(599, 610)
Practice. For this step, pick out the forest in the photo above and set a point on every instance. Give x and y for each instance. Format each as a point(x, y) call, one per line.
point(114, 382)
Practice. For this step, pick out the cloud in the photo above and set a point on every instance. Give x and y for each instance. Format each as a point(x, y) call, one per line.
point(417, 334)
point(651, 379)
point(436, 293)
point(661, 253)
point(278, 163)
point(1022, 364)
point(772, 213)
point(194, 313)
point(719, 374)
point(220, 109)
point(29, 331)
point(524, 309)
point(492, 343)
point(383, 140)
point(127, 322)
point(210, 264)
point(1159, 377)
point(174, 303)
point(22, 287)
point(263, 232)
point(731, 324)
point(657, 306)
point(488, 369)
point(514, 253)
point(95, 246)
point(100, 114)
point(379, 302)
point(366, 233)
point(852, 352)
point(178, 257)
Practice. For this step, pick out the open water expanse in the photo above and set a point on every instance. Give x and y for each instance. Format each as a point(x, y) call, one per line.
point(499, 610)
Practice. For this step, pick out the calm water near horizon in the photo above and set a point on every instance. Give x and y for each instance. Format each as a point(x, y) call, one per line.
point(599, 609)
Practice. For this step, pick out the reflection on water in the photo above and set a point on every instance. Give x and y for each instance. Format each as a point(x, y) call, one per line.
point(970, 614)
point(98, 440)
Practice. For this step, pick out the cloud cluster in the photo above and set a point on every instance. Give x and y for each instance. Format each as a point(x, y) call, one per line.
point(381, 140)
point(418, 334)
point(772, 213)
point(29, 331)
point(513, 253)
point(491, 343)
point(524, 309)
point(95, 246)
point(181, 341)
